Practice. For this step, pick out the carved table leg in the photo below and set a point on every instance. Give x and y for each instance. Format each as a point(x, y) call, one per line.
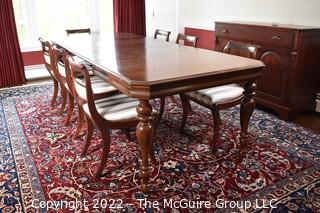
point(144, 133)
point(246, 110)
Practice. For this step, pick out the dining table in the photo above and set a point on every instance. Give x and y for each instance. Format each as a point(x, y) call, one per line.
point(146, 68)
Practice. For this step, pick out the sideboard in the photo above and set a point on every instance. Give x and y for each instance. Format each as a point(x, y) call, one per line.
point(291, 54)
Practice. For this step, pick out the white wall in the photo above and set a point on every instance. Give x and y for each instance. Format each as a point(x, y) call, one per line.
point(174, 15)
point(205, 12)
point(162, 14)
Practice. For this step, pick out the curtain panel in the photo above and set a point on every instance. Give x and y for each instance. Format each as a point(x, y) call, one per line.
point(11, 62)
point(129, 16)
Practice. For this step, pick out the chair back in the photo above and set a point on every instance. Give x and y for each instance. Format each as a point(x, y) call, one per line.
point(242, 49)
point(162, 33)
point(187, 39)
point(47, 53)
point(74, 31)
point(59, 64)
point(82, 87)
point(63, 67)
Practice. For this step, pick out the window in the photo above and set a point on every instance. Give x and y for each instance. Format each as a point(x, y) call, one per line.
point(20, 10)
point(49, 18)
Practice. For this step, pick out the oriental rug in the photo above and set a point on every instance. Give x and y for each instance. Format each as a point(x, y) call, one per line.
point(41, 169)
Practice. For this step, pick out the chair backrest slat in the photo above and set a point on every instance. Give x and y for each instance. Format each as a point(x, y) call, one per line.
point(74, 31)
point(242, 49)
point(83, 92)
point(187, 39)
point(164, 33)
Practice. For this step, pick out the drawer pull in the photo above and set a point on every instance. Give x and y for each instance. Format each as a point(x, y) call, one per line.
point(276, 38)
point(225, 31)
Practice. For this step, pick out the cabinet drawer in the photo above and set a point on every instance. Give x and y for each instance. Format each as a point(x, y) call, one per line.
point(258, 34)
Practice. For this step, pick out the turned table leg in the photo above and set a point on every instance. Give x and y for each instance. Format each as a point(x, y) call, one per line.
point(144, 131)
point(246, 110)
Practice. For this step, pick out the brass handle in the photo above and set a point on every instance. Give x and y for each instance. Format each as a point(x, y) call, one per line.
point(276, 38)
point(225, 31)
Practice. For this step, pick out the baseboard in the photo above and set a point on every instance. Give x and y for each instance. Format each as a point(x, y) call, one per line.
point(34, 67)
point(35, 72)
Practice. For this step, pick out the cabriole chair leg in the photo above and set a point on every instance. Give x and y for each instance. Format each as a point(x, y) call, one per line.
point(162, 103)
point(186, 108)
point(64, 100)
point(127, 132)
point(105, 153)
point(80, 123)
point(88, 137)
point(70, 110)
point(55, 92)
point(216, 130)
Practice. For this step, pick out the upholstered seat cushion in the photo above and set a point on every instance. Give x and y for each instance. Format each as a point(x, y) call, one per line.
point(115, 108)
point(100, 86)
point(81, 61)
point(62, 71)
point(216, 95)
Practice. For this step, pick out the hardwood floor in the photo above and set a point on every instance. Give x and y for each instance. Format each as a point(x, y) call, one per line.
point(309, 120)
point(36, 73)
point(39, 80)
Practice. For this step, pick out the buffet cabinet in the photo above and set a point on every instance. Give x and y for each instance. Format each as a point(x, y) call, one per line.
point(291, 78)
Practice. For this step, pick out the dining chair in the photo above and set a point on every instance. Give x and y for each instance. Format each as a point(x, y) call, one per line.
point(101, 89)
point(74, 31)
point(63, 76)
point(188, 40)
point(49, 62)
point(114, 112)
point(77, 31)
point(221, 97)
point(163, 33)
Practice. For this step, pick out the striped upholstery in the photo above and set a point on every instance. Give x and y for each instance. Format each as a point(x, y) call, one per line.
point(217, 95)
point(81, 61)
point(98, 85)
point(115, 108)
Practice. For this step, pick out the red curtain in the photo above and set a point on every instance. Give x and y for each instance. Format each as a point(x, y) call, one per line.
point(129, 16)
point(11, 63)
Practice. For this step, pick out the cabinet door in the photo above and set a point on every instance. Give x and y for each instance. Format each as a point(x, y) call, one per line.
point(276, 59)
point(273, 80)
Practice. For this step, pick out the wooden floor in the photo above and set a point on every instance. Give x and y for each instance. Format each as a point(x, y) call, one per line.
point(309, 120)
point(39, 81)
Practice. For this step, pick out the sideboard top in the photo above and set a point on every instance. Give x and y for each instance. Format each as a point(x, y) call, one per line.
point(274, 25)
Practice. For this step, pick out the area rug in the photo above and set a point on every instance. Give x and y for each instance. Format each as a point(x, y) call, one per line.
point(41, 169)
